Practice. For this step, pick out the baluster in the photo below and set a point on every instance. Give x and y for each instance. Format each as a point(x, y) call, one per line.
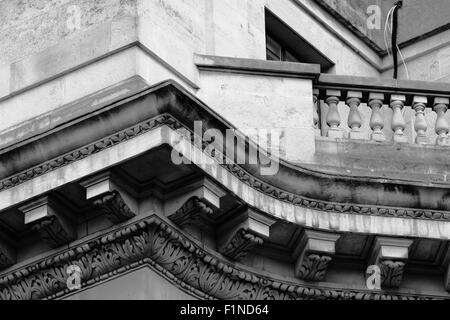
point(354, 117)
point(333, 117)
point(398, 122)
point(442, 127)
point(376, 120)
point(316, 118)
point(420, 124)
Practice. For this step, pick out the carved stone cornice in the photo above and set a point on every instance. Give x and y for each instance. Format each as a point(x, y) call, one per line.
point(90, 149)
point(240, 244)
point(166, 250)
point(112, 205)
point(191, 212)
point(236, 170)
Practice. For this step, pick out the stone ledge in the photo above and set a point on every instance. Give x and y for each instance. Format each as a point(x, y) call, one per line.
point(254, 66)
point(35, 127)
point(385, 160)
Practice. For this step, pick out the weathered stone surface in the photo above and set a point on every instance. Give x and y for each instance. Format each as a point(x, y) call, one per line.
point(390, 255)
point(51, 219)
point(285, 109)
point(314, 253)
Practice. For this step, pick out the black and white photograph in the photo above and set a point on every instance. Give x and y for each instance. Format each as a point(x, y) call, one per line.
point(258, 153)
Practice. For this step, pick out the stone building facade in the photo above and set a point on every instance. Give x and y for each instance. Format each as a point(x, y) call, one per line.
point(118, 179)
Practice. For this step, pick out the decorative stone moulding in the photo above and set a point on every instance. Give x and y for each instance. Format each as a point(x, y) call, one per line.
point(49, 218)
point(235, 169)
point(314, 253)
point(203, 189)
point(247, 230)
point(195, 204)
point(238, 171)
point(103, 190)
point(154, 243)
point(390, 255)
point(191, 212)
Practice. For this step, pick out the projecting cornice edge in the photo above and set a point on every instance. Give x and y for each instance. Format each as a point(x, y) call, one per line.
point(169, 104)
point(155, 243)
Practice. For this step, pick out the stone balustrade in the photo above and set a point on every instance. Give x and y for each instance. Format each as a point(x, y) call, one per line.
point(346, 108)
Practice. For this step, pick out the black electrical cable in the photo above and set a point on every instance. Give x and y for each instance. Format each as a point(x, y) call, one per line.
point(398, 5)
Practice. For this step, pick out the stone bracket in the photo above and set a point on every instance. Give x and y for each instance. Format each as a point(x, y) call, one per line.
point(315, 252)
point(107, 196)
point(240, 243)
point(191, 212)
point(45, 215)
point(243, 233)
point(112, 205)
point(390, 255)
point(204, 189)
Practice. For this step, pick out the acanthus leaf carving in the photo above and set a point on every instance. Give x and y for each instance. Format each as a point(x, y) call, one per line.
point(391, 273)
point(240, 244)
point(191, 212)
point(155, 243)
point(314, 266)
point(52, 231)
point(112, 205)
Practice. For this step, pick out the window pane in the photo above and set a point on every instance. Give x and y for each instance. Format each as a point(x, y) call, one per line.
point(271, 56)
point(274, 48)
point(290, 57)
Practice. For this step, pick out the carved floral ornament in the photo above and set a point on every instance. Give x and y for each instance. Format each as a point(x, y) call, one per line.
point(235, 169)
point(153, 242)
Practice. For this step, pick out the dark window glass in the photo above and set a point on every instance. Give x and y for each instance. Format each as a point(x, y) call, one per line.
point(290, 57)
point(274, 49)
point(277, 52)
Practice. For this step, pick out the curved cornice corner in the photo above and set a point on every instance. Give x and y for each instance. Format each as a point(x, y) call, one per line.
point(155, 243)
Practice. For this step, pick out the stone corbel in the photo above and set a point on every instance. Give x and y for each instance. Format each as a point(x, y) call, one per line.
point(48, 217)
point(107, 196)
point(314, 253)
point(243, 233)
point(191, 212)
point(390, 255)
point(195, 206)
point(8, 253)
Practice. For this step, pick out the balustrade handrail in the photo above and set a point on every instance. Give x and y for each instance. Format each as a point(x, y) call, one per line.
point(374, 92)
point(409, 88)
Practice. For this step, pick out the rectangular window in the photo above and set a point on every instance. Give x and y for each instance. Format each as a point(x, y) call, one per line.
point(285, 44)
